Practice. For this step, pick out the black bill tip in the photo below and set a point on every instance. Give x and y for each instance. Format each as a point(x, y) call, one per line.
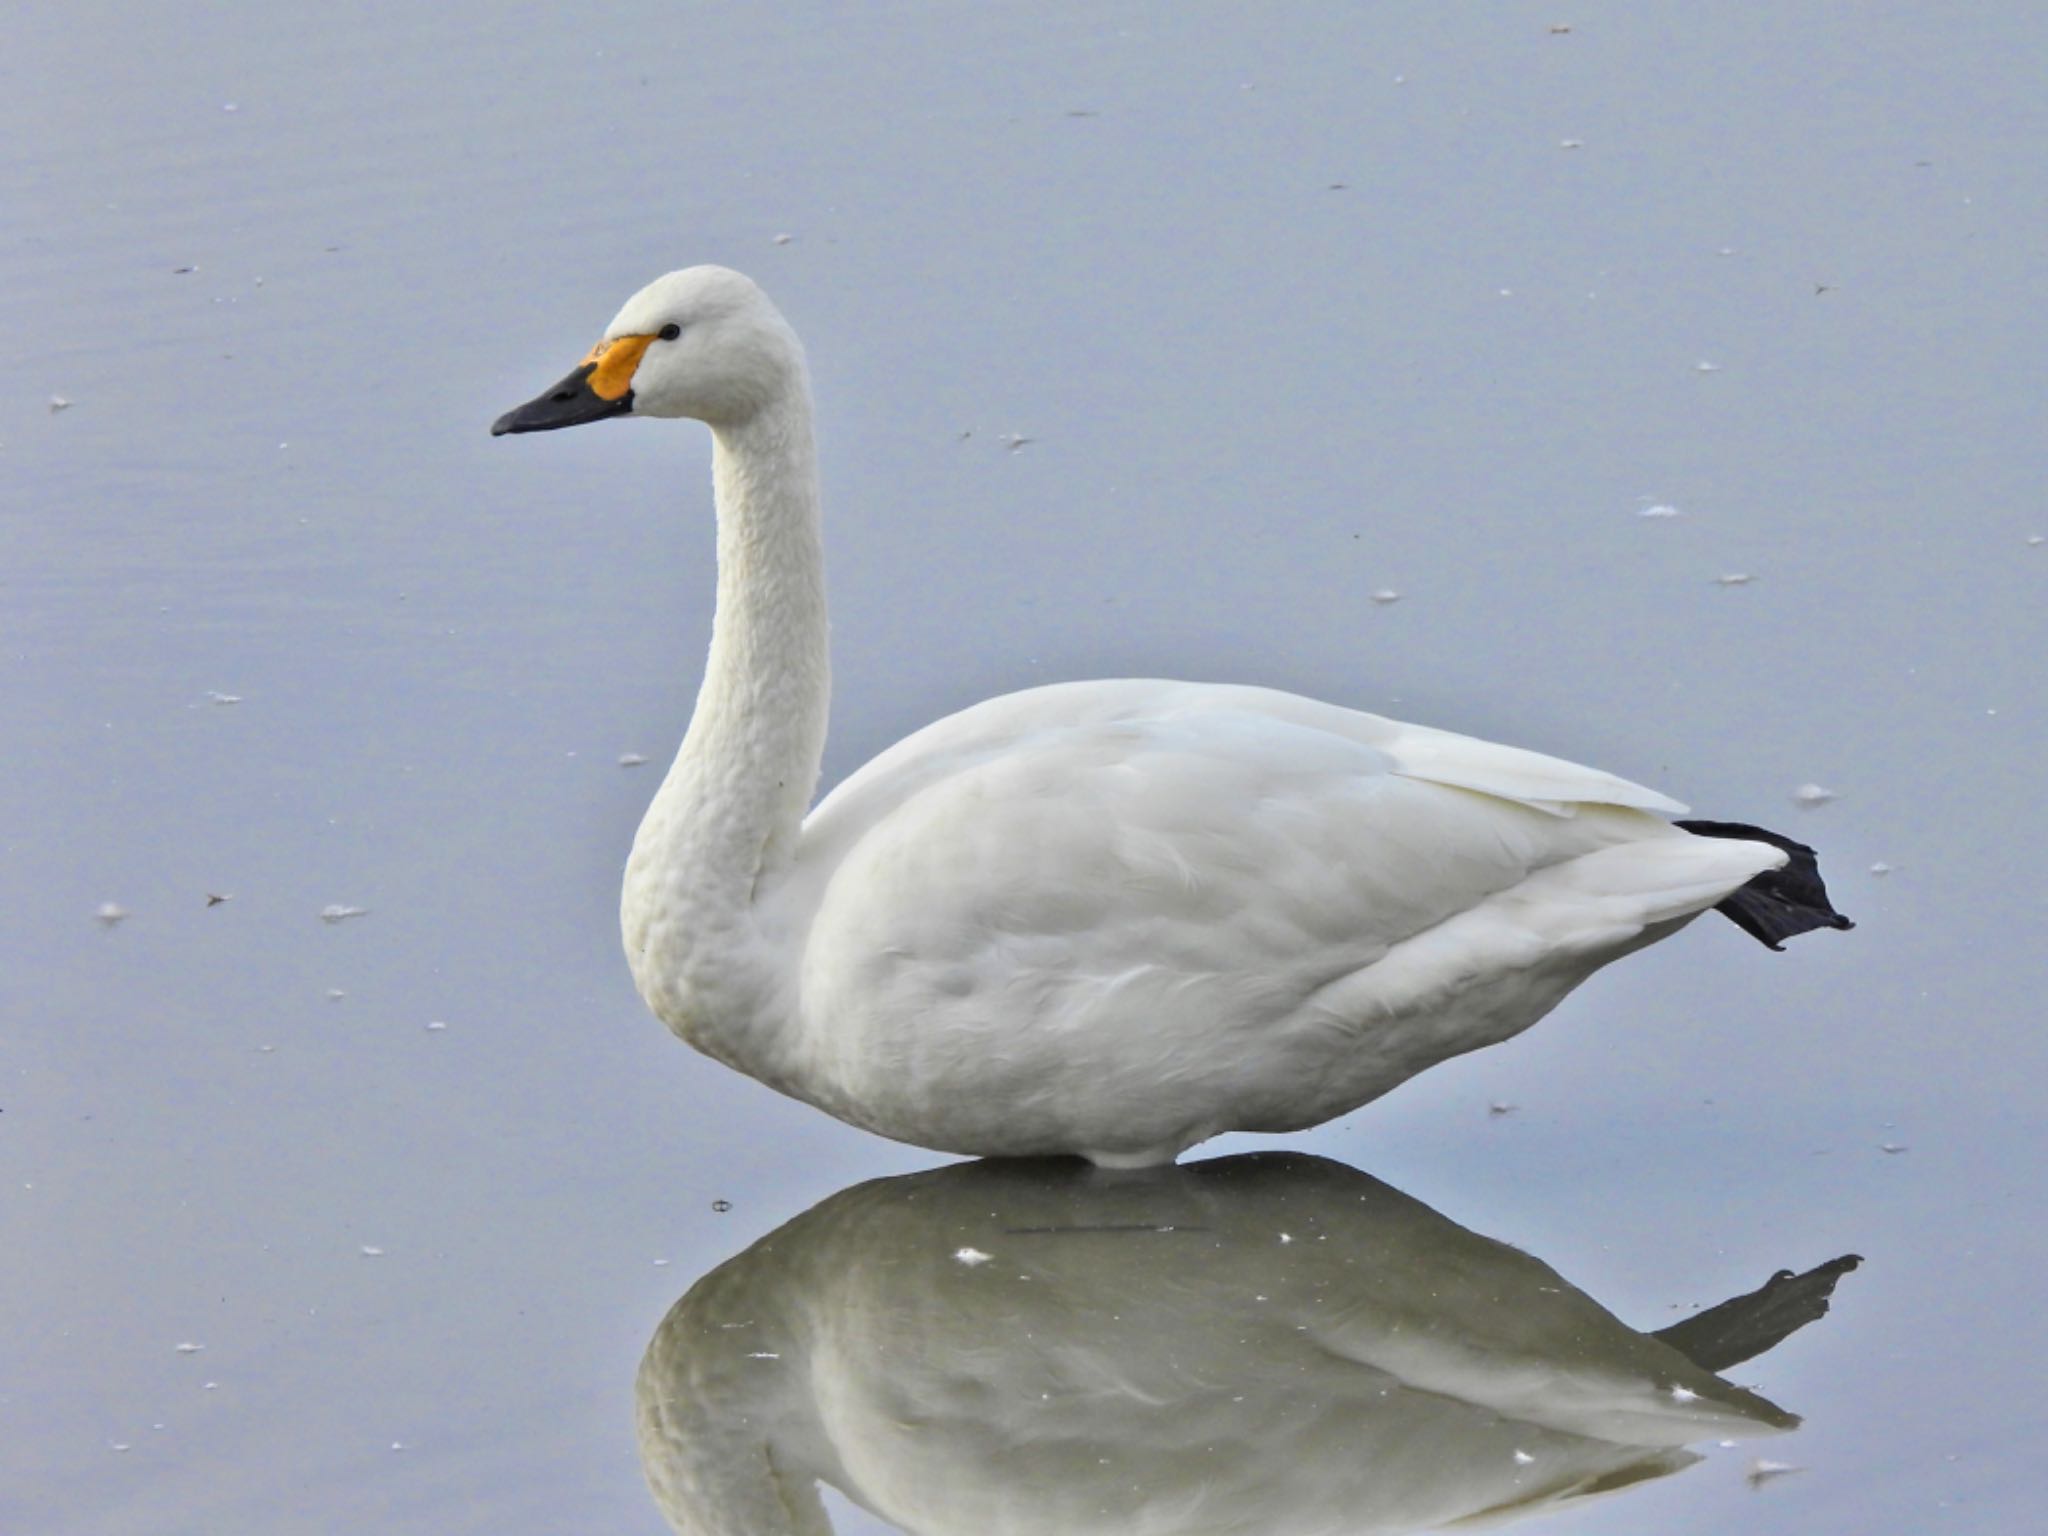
point(569, 404)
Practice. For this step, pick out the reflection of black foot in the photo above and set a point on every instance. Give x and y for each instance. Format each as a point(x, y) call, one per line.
point(1745, 1326)
point(1779, 903)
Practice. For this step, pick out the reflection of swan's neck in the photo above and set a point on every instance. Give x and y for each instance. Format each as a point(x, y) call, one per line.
point(726, 819)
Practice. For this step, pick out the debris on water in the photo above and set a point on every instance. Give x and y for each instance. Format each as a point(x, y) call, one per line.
point(763, 1354)
point(1558, 29)
point(1703, 366)
point(119, 1445)
point(971, 1257)
point(661, 1263)
point(58, 403)
point(109, 913)
point(1684, 1395)
point(189, 1348)
point(1501, 1107)
point(1809, 796)
point(183, 271)
point(1523, 1458)
point(371, 1251)
point(1571, 143)
point(335, 994)
point(721, 1206)
point(1734, 579)
point(1286, 1237)
point(1384, 595)
point(784, 239)
point(229, 106)
point(1892, 1148)
point(1015, 440)
point(398, 1445)
point(2036, 540)
point(1880, 869)
point(632, 759)
point(338, 913)
point(1659, 509)
point(209, 1386)
point(219, 898)
point(1762, 1471)
point(436, 1025)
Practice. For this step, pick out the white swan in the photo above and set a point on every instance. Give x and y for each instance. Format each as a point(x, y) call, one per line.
point(1108, 918)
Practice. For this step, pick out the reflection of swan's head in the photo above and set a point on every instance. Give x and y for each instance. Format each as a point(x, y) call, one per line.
point(1261, 1344)
point(703, 342)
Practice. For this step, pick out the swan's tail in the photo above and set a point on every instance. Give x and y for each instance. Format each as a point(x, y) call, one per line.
point(1779, 903)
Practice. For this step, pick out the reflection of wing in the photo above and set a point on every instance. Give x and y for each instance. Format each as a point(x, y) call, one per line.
point(1259, 1345)
point(1045, 878)
point(1488, 1325)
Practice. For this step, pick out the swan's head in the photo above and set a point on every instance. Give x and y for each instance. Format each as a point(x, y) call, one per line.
point(702, 342)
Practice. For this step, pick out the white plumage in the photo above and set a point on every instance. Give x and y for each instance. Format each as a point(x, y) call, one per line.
point(1110, 918)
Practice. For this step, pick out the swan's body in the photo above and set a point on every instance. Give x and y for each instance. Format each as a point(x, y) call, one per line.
point(1110, 918)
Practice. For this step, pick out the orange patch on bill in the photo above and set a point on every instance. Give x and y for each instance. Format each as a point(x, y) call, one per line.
point(615, 359)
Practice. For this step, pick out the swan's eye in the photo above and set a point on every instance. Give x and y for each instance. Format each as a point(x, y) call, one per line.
point(670, 331)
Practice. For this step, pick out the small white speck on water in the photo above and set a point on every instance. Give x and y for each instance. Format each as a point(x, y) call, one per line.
point(435, 1026)
point(1571, 143)
point(58, 403)
point(1384, 595)
point(338, 913)
point(1523, 1458)
point(371, 1251)
point(784, 239)
point(661, 1263)
point(1659, 509)
point(1703, 366)
point(266, 1050)
point(209, 1386)
point(1286, 1237)
point(1892, 1148)
point(190, 1348)
point(335, 994)
point(214, 696)
point(229, 106)
point(1762, 1471)
point(1880, 869)
point(109, 913)
point(632, 759)
point(1015, 440)
point(763, 1354)
point(1684, 1395)
point(398, 1445)
point(970, 1257)
point(1734, 579)
point(119, 1445)
point(1808, 796)
point(2036, 540)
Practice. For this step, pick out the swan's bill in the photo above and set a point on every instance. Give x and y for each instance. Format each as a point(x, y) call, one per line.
point(601, 386)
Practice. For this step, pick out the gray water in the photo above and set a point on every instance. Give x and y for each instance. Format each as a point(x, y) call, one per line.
point(1293, 308)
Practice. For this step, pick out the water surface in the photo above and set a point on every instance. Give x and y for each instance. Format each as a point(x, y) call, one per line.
point(1413, 301)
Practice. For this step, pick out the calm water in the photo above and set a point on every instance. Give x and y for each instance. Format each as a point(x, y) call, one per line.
point(1410, 299)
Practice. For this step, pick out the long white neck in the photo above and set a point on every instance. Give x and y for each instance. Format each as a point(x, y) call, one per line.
point(726, 820)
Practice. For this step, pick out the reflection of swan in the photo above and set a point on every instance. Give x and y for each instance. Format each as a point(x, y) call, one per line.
point(1269, 1344)
point(1111, 918)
